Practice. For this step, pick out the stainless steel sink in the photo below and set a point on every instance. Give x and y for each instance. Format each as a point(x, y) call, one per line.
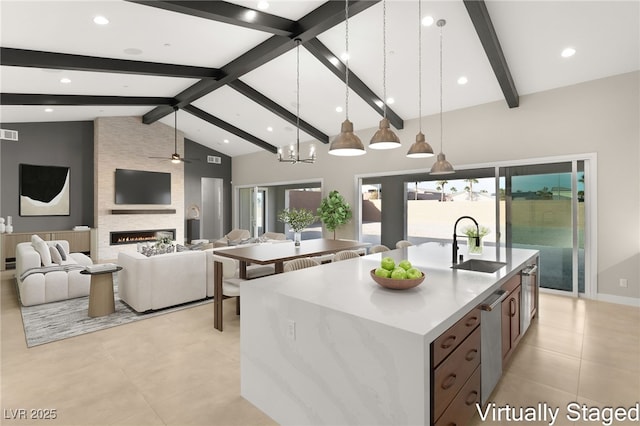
point(478, 265)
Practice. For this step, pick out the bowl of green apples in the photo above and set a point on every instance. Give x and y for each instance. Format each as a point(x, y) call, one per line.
point(400, 276)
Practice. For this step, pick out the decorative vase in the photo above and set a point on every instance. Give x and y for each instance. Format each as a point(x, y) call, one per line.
point(9, 229)
point(297, 236)
point(9, 221)
point(2, 226)
point(473, 246)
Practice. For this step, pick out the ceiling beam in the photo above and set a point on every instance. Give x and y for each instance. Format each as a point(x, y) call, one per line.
point(314, 23)
point(203, 115)
point(324, 55)
point(64, 61)
point(273, 107)
point(39, 99)
point(228, 13)
point(479, 15)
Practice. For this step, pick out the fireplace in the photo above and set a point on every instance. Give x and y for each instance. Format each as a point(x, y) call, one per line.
point(132, 237)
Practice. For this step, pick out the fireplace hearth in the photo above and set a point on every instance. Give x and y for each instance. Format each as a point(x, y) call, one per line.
point(133, 237)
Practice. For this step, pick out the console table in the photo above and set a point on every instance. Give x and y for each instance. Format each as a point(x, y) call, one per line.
point(79, 242)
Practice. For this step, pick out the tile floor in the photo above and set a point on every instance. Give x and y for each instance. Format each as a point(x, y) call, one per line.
point(175, 369)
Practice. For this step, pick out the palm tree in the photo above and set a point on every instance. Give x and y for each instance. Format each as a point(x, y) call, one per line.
point(469, 188)
point(441, 184)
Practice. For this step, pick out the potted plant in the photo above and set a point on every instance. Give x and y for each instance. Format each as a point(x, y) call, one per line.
point(334, 211)
point(473, 244)
point(298, 219)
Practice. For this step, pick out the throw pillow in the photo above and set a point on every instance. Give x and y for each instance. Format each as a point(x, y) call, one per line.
point(61, 250)
point(45, 255)
point(35, 239)
point(181, 248)
point(55, 255)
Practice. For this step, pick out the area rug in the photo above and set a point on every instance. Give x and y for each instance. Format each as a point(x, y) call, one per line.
point(68, 318)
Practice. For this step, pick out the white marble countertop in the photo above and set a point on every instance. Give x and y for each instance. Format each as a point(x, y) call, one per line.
point(427, 310)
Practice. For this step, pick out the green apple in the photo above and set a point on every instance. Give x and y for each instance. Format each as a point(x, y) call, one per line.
point(399, 274)
point(405, 264)
point(388, 263)
point(384, 273)
point(413, 273)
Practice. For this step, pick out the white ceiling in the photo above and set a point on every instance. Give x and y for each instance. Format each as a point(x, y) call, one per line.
point(532, 34)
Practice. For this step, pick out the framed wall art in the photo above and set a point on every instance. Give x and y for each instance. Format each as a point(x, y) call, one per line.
point(44, 190)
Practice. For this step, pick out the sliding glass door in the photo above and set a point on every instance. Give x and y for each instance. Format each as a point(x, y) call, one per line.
point(545, 211)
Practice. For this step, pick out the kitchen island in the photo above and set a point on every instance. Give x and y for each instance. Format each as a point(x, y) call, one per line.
point(327, 345)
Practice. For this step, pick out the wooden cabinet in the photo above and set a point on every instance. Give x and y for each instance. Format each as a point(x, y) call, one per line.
point(511, 329)
point(455, 362)
point(79, 242)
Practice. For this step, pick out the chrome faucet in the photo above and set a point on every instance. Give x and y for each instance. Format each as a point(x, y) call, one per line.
point(455, 237)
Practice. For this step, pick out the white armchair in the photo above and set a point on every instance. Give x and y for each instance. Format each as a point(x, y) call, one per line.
point(235, 236)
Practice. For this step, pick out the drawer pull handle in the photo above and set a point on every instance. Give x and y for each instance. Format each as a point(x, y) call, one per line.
point(512, 307)
point(472, 397)
point(471, 354)
point(472, 321)
point(449, 341)
point(449, 381)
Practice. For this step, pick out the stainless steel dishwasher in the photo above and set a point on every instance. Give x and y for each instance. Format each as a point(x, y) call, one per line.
point(491, 343)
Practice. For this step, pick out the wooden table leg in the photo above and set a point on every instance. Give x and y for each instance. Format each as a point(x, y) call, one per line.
point(279, 267)
point(242, 266)
point(217, 295)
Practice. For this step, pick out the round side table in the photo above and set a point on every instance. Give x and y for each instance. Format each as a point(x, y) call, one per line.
point(101, 298)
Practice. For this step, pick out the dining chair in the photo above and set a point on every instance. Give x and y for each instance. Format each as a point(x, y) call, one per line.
point(279, 236)
point(300, 263)
point(403, 243)
point(230, 281)
point(378, 248)
point(345, 254)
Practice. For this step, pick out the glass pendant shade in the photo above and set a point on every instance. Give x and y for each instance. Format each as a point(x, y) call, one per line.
point(347, 143)
point(384, 138)
point(420, 148)
point(441, 166)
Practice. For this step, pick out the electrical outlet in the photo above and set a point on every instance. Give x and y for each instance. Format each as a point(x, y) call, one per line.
point(291, 330)
point(623, 282)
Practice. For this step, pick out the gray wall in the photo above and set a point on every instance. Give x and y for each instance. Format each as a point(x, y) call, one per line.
point(68, 144)
point(199, 168)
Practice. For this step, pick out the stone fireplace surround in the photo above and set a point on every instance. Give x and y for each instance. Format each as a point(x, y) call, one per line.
point(127, 143)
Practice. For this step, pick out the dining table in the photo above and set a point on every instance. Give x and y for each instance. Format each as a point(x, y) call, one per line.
point(276, 253)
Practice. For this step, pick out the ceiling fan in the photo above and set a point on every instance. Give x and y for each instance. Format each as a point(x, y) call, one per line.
point(175, 157)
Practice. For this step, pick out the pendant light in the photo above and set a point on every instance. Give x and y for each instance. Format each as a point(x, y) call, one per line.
point(384, 138)
point(420, 148)
point(347, 143)
point(441, 166)
point(294, 153)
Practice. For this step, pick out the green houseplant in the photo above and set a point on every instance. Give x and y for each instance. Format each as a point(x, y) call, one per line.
point(298, 219)
point(334, 211)
point(472, 232)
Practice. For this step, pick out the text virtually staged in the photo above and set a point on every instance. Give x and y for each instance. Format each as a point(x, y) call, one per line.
point(573, 413)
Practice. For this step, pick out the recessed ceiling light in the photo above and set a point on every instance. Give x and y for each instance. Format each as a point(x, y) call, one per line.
point(226, 141)
point(132, 51)
point(428, 21)
point(48, 110)
point(335, 61)
point(344, 56)
point(463, 80)
point(339, 109)
point(379, 103)
point(269, 129)
point(65, 80)
point(568, 52)
point(100, 20)
point(250, 15)
point(390, 101)
point(263, 5)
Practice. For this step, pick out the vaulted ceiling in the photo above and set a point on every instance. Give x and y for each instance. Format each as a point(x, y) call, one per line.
point(230, 67)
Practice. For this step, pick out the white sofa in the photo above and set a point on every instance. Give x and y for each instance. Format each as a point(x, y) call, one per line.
point(156, 282)
point(40, 281)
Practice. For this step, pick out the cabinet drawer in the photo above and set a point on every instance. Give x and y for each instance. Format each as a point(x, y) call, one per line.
point(454, 372)
point(450, 339)
point(513, 282)
point(463, 406)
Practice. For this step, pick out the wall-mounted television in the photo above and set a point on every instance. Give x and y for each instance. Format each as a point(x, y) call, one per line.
point(142, 187)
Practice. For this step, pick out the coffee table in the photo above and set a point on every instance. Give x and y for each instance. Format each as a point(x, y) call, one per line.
point(101, 298)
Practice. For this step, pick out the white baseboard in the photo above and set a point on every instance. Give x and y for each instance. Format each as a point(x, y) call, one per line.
point(621, 300)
